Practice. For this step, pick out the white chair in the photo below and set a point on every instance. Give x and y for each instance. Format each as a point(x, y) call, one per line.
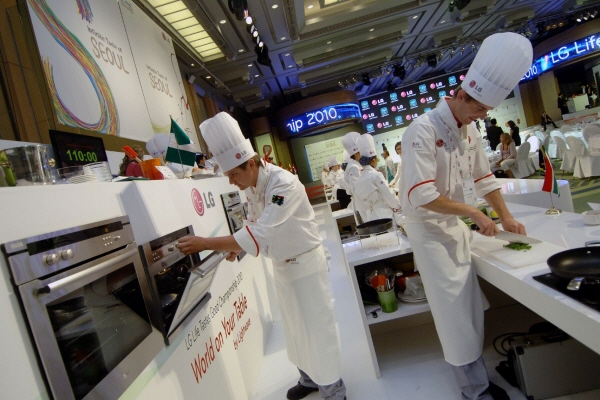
point(534, 144)
point(594, 146)
point(591, 130)
point(568, 159)
point(556, 133)
point(523, 167)
point(541, 135)
point(566, 128)
point(586, 166)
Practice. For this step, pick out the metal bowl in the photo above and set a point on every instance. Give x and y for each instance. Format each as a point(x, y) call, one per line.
point(374, 226)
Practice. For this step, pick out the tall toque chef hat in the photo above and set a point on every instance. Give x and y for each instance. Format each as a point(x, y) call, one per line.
point(349, 142)
point(345, 156)
point(226, 141)
point(366, 146)
point(326, 165)
point(501, 62)
point(333, 161)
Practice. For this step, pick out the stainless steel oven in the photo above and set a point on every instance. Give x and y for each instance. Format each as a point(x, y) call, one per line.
point(81, 296)
point(176, 285)
point(236, 213)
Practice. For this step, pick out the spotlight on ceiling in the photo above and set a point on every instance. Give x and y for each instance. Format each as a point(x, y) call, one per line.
point(579, 18)
point(366, 80)
point(473, 48)
point(262, 54)
point(452, 52)
point(400, 71)
point(462, 51)
point(432, 60)
point(239, 8)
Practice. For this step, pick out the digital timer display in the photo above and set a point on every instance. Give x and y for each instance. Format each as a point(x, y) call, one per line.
point(322, 117)
point(71, 149)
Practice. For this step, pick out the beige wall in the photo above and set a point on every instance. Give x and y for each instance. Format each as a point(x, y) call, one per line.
point(549, 94)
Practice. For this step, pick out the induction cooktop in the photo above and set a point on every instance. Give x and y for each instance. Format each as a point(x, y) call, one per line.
point(588, 294)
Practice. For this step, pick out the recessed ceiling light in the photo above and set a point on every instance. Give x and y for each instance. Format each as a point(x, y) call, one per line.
point(249, 65)
point(415, 17)
point(329, 42)
point(287, 54)
point(290, 66)
point(442, 21)
point(222, 21)
point(241, 50)
point(310, 6)
point(274, 6)
point(207, 76)
point(283, 38)
point(371, 30)
point(192, 64)
point(256, 76)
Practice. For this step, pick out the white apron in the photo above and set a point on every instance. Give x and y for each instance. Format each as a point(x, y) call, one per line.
point(457, 303)
point(309, 326)
point(301, 284)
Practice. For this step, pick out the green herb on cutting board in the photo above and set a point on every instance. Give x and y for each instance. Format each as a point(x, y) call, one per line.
point(518, 246)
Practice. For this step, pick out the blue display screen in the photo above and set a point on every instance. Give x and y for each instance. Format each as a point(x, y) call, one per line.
point(322, 117)
point(575, 49)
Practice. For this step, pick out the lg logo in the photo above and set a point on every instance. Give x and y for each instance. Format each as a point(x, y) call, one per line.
point(198, 202)
point(474, 86)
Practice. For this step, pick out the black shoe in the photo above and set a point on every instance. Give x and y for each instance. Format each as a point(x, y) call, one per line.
point(497, 392)
point(299, 392)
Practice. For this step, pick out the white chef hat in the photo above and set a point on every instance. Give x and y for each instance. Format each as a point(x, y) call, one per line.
point(333, 161)
point(366, 146)
point(326, 165)
point(345, 157)
point(349, 142)
point(501, 62)
point(226, 141)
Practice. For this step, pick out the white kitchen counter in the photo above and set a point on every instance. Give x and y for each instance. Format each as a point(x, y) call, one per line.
point(564, 231)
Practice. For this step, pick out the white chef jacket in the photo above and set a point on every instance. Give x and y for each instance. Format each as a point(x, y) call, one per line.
point(398, 173)
point(389, 167)
point(373, 191)
point(282, 225)
point(434, 165)
point(351, 175)
point(281, 221)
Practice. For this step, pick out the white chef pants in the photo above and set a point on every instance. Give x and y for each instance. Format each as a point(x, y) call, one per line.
point(335, 391)
point(473, 380)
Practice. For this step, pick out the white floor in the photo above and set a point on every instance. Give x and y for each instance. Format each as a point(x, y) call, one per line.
point(410, 360)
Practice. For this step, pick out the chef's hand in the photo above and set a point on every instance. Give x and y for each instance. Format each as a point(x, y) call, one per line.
point(512, 225)
point(487, 227)
point(231, 256)
point(191, 244)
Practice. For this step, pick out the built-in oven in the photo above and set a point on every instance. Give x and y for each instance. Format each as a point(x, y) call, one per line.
point(81, 295)
point(236, 213)
point(177, 286)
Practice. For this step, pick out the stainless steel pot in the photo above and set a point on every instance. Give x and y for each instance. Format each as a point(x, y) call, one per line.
point(25, 166)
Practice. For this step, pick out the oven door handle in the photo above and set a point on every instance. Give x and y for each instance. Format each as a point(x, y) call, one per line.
point(90, 274)
point(202, 272)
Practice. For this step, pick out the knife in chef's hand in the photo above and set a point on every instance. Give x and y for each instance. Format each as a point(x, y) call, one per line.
point(511, 237)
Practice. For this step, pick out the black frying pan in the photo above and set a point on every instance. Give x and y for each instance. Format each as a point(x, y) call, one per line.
point(577, 264)
point(374, 226)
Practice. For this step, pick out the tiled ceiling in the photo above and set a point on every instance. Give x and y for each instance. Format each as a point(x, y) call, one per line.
point(317, 46)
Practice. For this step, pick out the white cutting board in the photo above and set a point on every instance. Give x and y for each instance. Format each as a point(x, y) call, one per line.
point(539, 252)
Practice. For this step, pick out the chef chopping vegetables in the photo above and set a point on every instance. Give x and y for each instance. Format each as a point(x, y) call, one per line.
point(445, 170)
point(281, 225)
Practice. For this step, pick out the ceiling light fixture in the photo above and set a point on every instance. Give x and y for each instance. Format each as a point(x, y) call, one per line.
point(283, 38)
point(249, 20)
point(193, 65)
point(256, 76)
point(207, 76)
point(579, 18)
point(240, 50)
point(329, 42)
point(274, 6)
point(415, 17)
point(250, 65)
point(222, 21)
point(473, 48)
point(462, 51)
point(452, 52)
point(310, 6)
point(371, 30)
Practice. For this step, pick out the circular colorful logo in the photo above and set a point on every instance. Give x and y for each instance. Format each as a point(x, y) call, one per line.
point(462, 77)
point(403, 94)
point(439, 143)
point(408, 117)
point(374, 102)
point(365, 116)
point(197, 202)
point(472, 84)
point(394, 108)
point(422, 100)
point(432, 86)
point(379, 125)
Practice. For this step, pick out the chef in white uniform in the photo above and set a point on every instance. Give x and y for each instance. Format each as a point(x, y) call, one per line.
point(371, 187)
point(389, 164)
point(445, 169)
point(325, 174)
point(353, 171)
point(281, 225)
point(396, 181)
point(335, 174)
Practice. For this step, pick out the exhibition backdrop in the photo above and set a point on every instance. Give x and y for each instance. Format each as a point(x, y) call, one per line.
point(109, 68)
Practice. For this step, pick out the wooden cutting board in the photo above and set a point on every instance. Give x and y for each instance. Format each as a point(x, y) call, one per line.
point(539, 252)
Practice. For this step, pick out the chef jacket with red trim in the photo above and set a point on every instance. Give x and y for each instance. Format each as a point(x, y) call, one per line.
point(281, 222)
point(433, 160)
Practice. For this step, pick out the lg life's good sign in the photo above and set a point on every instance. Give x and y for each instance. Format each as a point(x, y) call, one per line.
point(578, 48)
